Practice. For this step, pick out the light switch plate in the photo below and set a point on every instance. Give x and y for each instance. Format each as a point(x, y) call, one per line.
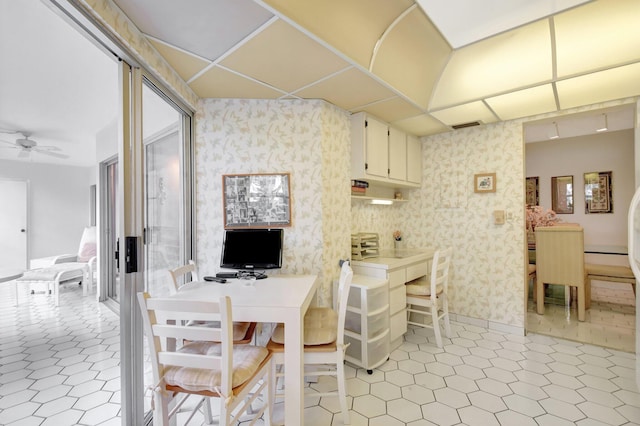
point(498, 217)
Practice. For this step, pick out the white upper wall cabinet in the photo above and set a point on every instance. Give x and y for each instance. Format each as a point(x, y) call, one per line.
point(380, 154)
point(397, 154)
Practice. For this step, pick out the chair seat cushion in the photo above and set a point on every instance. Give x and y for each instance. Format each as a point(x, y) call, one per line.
point(70, 270)
point(320, 327)
point(423, 289)
point(246, 361)
point(239, 328)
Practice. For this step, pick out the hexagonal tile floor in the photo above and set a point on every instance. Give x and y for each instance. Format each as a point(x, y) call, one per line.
point(60, 366)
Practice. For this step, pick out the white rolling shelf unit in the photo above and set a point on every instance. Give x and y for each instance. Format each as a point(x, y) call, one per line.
point(367, 322)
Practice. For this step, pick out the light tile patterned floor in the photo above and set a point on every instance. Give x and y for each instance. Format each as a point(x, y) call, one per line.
point(606, 324)
point(60, 366)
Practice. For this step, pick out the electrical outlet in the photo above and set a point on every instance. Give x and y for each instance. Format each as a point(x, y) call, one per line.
point(509, 216)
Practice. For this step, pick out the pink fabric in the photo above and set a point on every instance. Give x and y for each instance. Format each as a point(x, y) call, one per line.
point(87, 244)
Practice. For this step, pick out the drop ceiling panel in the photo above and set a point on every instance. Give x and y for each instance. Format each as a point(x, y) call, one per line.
point(603, 86)
point(185, 64)
point(349, 89)
point(486, 18)
point(353, 27)
point(204, 27)
point(392, 109)
point(519, 58)
point(597, 35)
point(411, 57)
point(421, 125)
point(474, 111)
point(283, 57)
point(220, 83)
point(524, 103)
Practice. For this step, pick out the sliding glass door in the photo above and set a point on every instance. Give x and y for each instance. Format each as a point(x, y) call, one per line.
point(165, 190)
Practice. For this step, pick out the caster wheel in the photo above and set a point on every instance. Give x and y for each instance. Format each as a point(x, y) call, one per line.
point(369, 371)
point(33, 292)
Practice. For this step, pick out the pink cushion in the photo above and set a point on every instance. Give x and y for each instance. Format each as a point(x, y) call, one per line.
point(87, 248)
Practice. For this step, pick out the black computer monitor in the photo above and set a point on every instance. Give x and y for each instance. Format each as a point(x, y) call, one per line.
point(252, 249)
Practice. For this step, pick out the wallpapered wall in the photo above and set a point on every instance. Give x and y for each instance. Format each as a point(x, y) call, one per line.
point(309, 140)
point(488, 263)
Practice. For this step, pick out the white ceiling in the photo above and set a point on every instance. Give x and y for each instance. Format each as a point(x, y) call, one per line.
point(421, 72)
point(53, 84)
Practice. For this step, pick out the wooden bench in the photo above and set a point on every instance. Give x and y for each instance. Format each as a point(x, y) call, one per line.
point(609, 273)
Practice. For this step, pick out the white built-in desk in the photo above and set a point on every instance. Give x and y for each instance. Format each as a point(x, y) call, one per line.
point(279, 298)
point(398, 267)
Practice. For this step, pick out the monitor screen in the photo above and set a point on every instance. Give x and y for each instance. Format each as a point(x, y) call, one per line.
point(248, 249)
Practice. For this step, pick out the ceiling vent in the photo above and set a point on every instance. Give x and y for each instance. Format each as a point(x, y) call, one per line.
point(463, 125)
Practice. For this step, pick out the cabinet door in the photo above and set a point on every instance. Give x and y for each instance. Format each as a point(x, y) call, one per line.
point(414, 159)
point(376, 151)
point(397, 154)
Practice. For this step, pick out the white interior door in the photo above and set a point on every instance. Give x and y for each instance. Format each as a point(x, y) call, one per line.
point(13, 224)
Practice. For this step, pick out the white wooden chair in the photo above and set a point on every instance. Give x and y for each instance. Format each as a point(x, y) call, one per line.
point(431, 296)
point(179, 275)
point(243, 332)
point(324, 346)
point(209, 366)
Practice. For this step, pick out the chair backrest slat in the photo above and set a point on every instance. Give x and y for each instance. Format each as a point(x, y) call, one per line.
point(210, 362)
point(440, 271)
point(344, 284)
point(171, 331)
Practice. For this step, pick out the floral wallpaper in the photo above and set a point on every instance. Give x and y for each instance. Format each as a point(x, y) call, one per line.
point(309, 140)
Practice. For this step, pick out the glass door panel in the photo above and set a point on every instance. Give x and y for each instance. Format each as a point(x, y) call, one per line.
point(164, 239)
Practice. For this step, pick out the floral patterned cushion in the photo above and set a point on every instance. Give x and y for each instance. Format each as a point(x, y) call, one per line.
point(246, 360)
point(421, 290)
point(320, 327)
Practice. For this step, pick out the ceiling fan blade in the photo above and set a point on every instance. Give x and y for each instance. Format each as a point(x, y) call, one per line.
point(13, 145)
point(48, 148)
point(52, 154)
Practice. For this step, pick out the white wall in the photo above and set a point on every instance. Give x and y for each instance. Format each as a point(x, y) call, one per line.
point(59, 204)
point(602, 152)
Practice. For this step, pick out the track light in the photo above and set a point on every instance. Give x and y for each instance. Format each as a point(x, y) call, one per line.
point(605, 124)
point(555, 134)
point(383, 202)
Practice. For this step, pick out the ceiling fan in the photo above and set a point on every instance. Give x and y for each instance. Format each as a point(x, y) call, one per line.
point(27, 146)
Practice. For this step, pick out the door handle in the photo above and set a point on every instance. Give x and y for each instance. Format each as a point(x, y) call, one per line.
point(23, 230)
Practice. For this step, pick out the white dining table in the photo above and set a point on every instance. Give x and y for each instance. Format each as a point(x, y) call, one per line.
point(278, 299)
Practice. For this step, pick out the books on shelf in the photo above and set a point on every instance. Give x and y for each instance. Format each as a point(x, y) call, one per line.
point(359, 187)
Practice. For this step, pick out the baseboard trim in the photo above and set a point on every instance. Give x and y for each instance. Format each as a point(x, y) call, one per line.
point(490, 325)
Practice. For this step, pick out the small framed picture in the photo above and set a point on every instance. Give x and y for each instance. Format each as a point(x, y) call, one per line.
point(484, 182)
point(598, 193)
point(532, 191)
